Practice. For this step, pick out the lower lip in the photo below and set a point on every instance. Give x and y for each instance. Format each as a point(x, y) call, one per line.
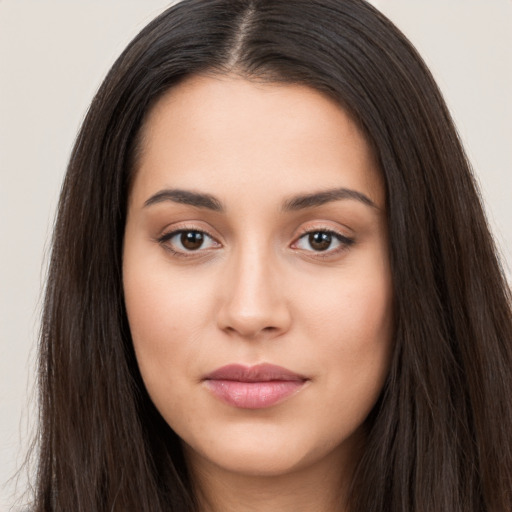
point(254, 395)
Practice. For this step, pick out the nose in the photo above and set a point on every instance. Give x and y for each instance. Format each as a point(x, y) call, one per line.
point(254, 302)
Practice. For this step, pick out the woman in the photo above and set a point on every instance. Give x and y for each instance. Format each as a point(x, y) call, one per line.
point(272, 286)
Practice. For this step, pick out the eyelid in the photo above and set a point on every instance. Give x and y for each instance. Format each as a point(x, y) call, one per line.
point(170, 232)
point(345, 241)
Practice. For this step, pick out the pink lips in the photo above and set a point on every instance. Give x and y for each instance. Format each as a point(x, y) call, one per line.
point(254, 387)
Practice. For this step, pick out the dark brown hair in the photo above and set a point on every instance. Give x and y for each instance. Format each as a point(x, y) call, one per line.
point(440, 436)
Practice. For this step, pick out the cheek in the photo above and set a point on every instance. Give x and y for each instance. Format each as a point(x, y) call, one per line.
point(166, 312)
point(352, 324)
point(352, 313)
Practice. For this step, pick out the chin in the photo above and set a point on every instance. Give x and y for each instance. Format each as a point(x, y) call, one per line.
point(265, 453)
point(252, 460)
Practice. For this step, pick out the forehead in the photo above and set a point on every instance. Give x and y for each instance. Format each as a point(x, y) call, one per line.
point(225, 133)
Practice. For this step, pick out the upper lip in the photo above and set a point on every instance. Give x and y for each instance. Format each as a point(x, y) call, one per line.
point(258, 373)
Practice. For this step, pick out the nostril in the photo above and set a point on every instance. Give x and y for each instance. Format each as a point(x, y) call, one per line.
point(252, 332)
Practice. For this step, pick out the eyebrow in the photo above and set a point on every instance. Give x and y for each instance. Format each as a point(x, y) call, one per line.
point(300, 202)
point(197, 199)
point(326, 196)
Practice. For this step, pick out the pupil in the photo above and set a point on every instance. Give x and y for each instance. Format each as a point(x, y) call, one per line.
point(320, 241)
point(192, 240)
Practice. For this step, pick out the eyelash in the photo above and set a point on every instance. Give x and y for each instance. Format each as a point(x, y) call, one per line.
point(345, 242)
point(166, 237)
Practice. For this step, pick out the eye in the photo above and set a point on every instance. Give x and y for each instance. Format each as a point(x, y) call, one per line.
point(323, 241)
point(184, 241)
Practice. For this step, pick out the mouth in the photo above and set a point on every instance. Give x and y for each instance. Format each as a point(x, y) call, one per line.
point(254, 387)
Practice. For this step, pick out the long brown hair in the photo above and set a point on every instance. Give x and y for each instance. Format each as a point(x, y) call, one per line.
point(440, 436)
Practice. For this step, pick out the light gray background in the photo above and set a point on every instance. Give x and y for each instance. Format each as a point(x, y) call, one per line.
point(53, 56)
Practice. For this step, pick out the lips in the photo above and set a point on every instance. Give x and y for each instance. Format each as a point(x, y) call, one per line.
point(253, 387)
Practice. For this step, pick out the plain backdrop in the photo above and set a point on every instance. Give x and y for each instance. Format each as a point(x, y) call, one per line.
point(53, 56)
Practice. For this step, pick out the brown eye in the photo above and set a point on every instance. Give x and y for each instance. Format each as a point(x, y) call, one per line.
point(326, 241)
point(186, 241)
point(320, 240)
point(192, 240)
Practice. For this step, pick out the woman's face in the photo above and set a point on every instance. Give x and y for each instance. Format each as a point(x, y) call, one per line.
point(256, 274)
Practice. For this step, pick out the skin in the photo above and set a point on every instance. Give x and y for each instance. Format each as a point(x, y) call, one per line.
point(258, 290)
